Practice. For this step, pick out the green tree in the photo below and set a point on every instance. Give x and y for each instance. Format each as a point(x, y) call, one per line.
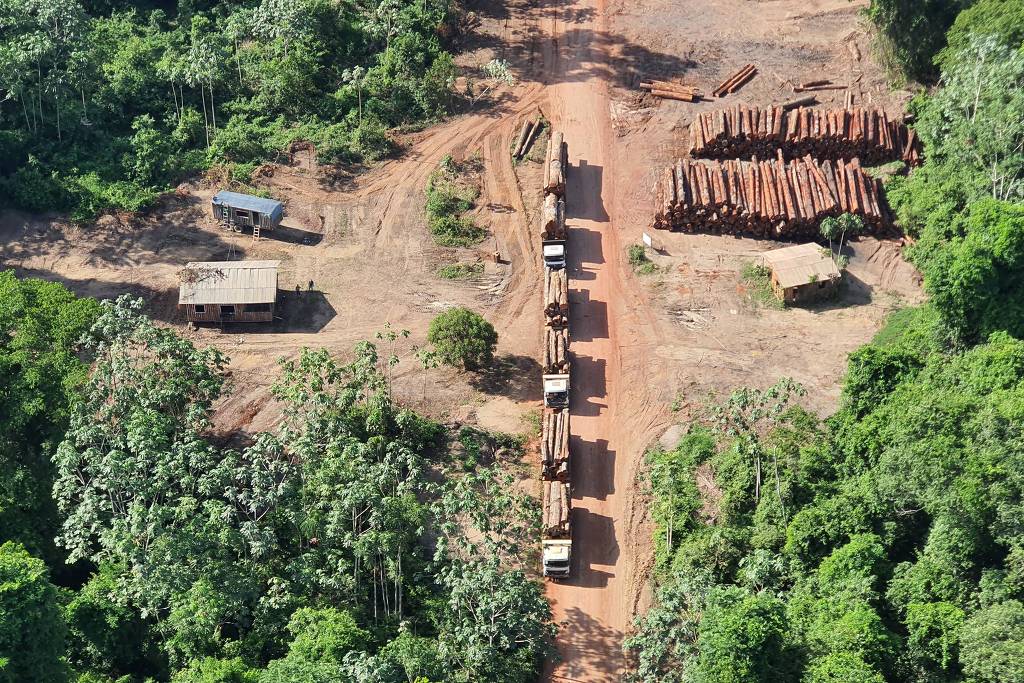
point(992, 644)
point(41, 324)
point(914, 30)
point(496, 625)
point(463, 338)
point(742, 639)
point(31, 628)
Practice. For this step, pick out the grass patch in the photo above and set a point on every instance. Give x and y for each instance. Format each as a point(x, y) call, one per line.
point(757, 280)
point(639, 261)
point(460, 271)
point(449, 196)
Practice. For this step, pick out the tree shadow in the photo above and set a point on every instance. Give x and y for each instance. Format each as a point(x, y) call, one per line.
point(582, 641)
point(514, 376)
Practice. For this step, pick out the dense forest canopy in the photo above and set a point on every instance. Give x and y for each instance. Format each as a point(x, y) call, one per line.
point(105, 103)
point(884, 543)
point(345, 545)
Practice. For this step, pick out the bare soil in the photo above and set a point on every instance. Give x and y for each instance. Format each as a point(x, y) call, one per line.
point(356, 256)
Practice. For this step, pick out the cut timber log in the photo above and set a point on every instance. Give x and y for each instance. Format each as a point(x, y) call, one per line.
point(554, 172)
point(733, 83)
point(768, 199)
point(552, 218)
point(554, 445)
point(556, 508)
point(847, 133)
point(556, 297)
point(556, 351)
point(523, 135)
point(799, 102)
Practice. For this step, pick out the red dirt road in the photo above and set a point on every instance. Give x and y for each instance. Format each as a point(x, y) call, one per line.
point(593, 609)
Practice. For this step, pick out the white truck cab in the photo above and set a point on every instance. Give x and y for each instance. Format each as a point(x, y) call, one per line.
point(557, 557)
point(556, 391)
point(554, 254)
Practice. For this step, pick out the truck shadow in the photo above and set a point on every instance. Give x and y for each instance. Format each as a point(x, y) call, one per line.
point(583, 187)
point(584, 248)
point(594, 543)
point(589, 387)
point(588, 317)
point(593, 468)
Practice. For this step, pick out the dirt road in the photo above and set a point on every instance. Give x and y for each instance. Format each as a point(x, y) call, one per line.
point(594, 608)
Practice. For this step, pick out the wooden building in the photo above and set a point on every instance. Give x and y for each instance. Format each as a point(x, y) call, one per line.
point(228, 291)
point(246, 211)
point(802, 273)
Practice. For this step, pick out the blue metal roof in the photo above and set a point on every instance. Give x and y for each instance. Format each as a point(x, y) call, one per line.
point(271, 207)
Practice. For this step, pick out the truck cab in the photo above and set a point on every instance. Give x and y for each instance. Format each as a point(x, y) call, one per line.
point(554, 254)
point(557, 558)
point(556, 391)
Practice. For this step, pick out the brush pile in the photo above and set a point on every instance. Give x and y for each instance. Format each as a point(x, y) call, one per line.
point(768, 199)
point(747, 132)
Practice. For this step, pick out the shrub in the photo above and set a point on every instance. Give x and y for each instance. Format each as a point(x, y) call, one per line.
point(462, 338)
point(460, 271)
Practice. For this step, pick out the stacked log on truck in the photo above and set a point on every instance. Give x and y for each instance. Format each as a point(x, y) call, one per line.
point(556, 351)
point(557, 505)
point(555, 165)
point(556, 297)
point(554, 445)
point(769, 199)
point(746, 132)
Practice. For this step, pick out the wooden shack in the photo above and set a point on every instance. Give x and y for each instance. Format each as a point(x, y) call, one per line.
point(802, 273)
point(228, 291)
point(246, 211)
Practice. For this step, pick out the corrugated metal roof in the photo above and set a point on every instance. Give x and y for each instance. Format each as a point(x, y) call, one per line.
point(229, 282)
point(271, 207)
point(801, 264)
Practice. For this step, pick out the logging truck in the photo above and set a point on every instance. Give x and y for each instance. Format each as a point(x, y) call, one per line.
point(556, 391)
point(556, 537)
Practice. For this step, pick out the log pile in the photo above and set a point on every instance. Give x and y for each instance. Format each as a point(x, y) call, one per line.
point(556, 297)
point(527, 133)
point(557, 505)
point(745, 132)
point(769, 199)
point(734, 82)
point(556, 351)
point(671, 90)
point(554, 445)
point(552, 218)
point(554, 168)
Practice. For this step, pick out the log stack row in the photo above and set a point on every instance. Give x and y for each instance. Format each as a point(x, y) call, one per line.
point(556, 350)
point(769, 199)
point(556, 298)
point(745, 132)
point(554, 445)
point(555, 165)
point(557, 501)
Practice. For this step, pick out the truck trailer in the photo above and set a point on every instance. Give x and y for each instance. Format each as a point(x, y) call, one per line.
point(556, 535)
